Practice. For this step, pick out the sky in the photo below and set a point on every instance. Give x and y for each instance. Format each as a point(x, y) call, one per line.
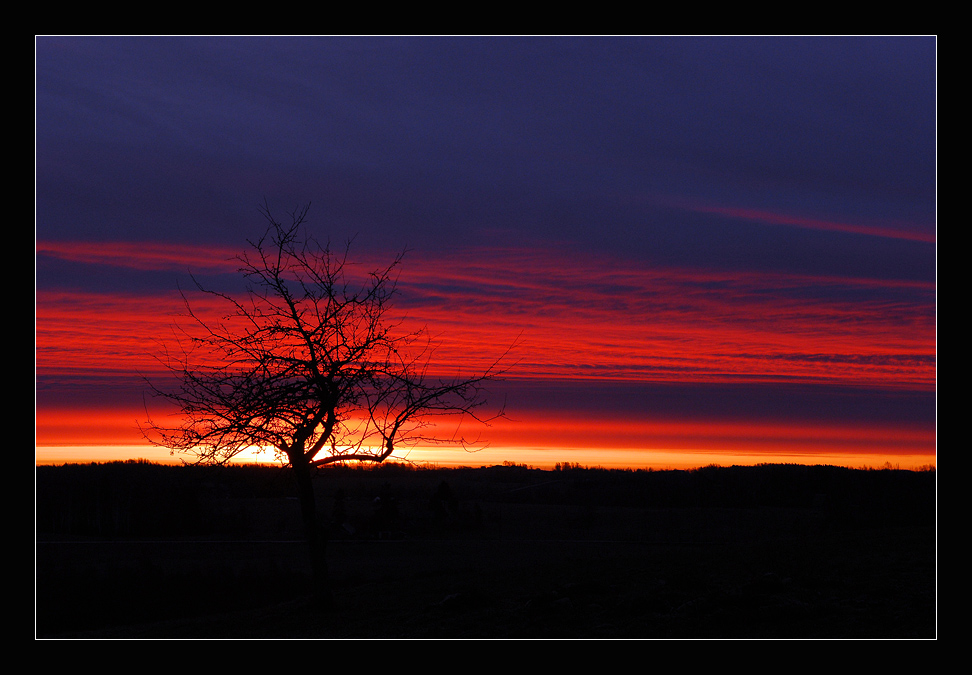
point(704, 249)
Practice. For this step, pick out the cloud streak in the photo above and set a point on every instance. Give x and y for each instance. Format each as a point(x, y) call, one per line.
point(571, 317)
point(144, 256)
point(907, 232)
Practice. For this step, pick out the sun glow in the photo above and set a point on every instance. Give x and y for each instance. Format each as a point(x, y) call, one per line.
point(533, 456)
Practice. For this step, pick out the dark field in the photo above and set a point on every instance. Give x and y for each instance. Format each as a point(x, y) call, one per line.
point(783, 551)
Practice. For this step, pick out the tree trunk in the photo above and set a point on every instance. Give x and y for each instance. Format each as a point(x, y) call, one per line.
point(316, 537)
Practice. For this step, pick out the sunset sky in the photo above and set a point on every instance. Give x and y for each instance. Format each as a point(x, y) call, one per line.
point(706, 250)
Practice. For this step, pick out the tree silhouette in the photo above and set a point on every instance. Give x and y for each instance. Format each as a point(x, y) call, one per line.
point(307, 362)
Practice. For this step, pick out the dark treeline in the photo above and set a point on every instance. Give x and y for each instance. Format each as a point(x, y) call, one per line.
point(123, 499)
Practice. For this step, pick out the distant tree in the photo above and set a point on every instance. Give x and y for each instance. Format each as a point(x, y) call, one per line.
point(309, 363)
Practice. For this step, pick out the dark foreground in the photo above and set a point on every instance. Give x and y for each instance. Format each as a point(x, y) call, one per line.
point(144, 551)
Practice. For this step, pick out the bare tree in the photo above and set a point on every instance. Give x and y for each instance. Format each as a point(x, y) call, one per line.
point(308, 363)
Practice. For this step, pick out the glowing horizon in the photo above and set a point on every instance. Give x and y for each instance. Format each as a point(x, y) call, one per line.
point(544, 438)
point(572, 320)
point(534, 457)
